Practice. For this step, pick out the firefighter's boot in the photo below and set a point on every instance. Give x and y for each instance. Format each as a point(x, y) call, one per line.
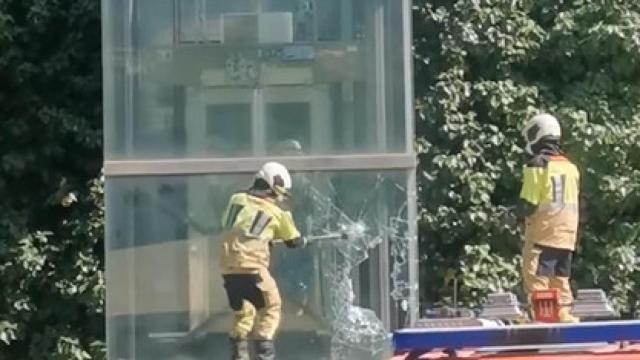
point(239, 349)
point(265, 350)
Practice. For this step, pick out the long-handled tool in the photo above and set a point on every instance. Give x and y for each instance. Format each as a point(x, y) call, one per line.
point(315, 238)
point(353, 230)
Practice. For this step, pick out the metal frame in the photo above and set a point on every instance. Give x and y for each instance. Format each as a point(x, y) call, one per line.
point(194, 166)
point(408, 73)
point(412, 181)
point(380, 91)
point(412, 178)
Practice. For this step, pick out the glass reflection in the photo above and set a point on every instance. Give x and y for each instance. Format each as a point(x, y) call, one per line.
point(220, 78)
point(165, 297)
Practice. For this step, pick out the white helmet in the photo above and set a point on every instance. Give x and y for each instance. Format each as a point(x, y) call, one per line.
point(540, 126)
point(276, 176)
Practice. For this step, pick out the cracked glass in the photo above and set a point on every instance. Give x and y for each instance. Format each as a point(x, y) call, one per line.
point(218, 79)
point(165, 296)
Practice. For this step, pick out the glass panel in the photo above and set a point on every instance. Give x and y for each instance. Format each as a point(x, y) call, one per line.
point(288, 121)
point(165, 297)
point(229, 129)
point(156, 30)
point(166, 64)
point(201, 20)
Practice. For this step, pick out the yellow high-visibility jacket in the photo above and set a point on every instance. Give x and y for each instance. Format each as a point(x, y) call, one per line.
point(552, 185)
point(250, 224)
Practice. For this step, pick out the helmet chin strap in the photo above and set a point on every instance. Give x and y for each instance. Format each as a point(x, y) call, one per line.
point(280, 192)
point(548, 146)
point(528, 149)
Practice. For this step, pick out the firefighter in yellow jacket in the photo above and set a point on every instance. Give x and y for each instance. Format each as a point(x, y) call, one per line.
point(252, 221)
point(549, 201)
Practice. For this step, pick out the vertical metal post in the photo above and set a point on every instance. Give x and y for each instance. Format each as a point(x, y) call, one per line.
point(379, 42)
point(413, 306)
point(108, 79)
point(380, 75)
point(129, 82)
point(258, 119)
point(347, 88)
point(408, 74)
point(176, 22)
point(131, 69)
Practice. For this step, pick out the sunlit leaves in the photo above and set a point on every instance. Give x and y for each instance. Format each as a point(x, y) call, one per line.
point(483, 68)
point(51, 279)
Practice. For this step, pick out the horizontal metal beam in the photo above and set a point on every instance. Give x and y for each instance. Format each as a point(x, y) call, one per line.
point(194, 166)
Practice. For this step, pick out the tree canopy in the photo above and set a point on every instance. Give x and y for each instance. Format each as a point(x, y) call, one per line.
point(483, 67)
point(51, 291)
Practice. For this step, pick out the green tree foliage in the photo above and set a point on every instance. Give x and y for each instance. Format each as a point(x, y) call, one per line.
point(51, 283)
point(482, 68)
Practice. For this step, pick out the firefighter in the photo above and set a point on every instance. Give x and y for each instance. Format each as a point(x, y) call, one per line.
point(252, 221)
point(549, 202)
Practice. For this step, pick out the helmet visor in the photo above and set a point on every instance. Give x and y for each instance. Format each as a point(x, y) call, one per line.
point(279, 186)
point(530, 133)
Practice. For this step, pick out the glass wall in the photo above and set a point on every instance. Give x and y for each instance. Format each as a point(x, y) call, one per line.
point(220, 78)
point(198, 94)
point(165, 297)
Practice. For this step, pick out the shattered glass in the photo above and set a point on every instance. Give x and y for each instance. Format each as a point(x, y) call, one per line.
point(198, 79)
point(336, 293)
point(357, 330)
point(400, 237)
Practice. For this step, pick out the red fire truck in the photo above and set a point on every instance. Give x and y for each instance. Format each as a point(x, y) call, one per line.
point(495, 333)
